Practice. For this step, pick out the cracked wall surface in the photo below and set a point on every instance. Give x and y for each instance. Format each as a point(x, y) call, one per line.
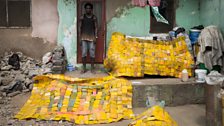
point(45, 20)
point(211, 13)
point(67, 29)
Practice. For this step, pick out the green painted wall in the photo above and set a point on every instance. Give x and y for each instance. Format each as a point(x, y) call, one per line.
point(212, 13)
point(67, 30)
point(136, 21)
point(188, 13)
point(131, 21)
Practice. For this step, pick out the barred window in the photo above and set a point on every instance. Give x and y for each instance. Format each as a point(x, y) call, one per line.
point(15, 13)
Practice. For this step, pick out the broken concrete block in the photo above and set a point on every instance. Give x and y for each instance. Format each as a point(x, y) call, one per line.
point(57, 68)
point(14, 93)
point(6, 68)
point(31, 87)
point(20, 77)
point(4, 73)
point(7, 80)
point(33, 73)
point(26, 90)
point(58, 62)
point(28, 82)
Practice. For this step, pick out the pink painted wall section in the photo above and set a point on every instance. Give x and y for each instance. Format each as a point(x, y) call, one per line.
point(45, 20)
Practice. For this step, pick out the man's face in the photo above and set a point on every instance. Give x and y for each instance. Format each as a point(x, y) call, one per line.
point(88, 10)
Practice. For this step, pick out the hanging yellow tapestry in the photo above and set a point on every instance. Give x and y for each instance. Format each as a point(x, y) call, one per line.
point(135, 57)
point(82, 101)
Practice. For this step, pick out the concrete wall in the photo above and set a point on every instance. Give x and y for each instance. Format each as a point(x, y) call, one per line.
point(39, 39)
point(21, 40)
point(67, 29)
point(133, 21)
point(211, 13)
point(45, 19)
point(48, 15)
point(188, 13)
point(112, 7)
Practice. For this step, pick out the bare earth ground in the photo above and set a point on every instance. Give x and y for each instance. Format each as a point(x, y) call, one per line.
point(188, 115)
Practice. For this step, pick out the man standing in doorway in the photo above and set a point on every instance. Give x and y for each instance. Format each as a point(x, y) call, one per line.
point(88, 35)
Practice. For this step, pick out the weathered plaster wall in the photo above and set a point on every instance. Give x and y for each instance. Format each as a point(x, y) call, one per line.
point(21, 40)
point(112, 8)
point(130, 20)
point(67, 30)
point(45, 19)
point(212, 13)
point(188, 13)
point(39, 39)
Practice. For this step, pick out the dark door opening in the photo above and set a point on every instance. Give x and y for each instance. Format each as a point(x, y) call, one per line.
point(167, 10)
point(99, 12)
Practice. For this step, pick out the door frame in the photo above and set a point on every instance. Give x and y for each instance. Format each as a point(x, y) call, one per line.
point(103, 24)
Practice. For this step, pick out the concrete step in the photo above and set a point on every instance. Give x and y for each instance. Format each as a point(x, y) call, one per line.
point(172, 90)
point(187, 115)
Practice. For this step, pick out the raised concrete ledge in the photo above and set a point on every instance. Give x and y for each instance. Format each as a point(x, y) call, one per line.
point(162, 81)
point(172, 90)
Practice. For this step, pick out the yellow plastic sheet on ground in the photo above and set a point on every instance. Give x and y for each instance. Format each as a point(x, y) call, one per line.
point(82, 101)
point(135, 57)
point(155, 116)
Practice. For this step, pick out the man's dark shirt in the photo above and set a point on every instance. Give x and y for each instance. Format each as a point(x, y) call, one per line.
point(88, 28)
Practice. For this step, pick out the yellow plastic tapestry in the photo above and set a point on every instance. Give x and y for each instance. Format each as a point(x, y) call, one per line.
point(155, 116)
point(135, 57)
point(82, 101)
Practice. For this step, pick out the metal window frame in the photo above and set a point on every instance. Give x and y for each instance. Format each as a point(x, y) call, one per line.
point(7, 17)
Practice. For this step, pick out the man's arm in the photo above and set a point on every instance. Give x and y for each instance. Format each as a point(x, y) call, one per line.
point(80, 30)
point(96, 26)
point(80, 25)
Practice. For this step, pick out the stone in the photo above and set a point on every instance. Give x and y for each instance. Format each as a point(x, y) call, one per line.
point(58, 62)
point(46, 70)
point(6, 68)
point(57, 68)
point(13, 86)
point(31, 87)
point(4, 73)
point(26, 72)
point(57, 56)
point(13, 94)
point(57, 72)
point(20, 77)
point(15, 72)
point(28, 82)
point(6, 80)
point(4, 94)
point(33, 73)
point(11, 122)
point(26, 90)
point(0, 81)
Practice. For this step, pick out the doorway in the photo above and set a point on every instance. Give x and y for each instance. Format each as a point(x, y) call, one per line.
point(99, 12)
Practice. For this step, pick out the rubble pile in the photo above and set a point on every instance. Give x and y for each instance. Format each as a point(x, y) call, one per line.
point(14, 80)
point(17, 70)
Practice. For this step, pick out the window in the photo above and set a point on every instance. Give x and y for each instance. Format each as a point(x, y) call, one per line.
point(167, 10)
point(15, 13)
